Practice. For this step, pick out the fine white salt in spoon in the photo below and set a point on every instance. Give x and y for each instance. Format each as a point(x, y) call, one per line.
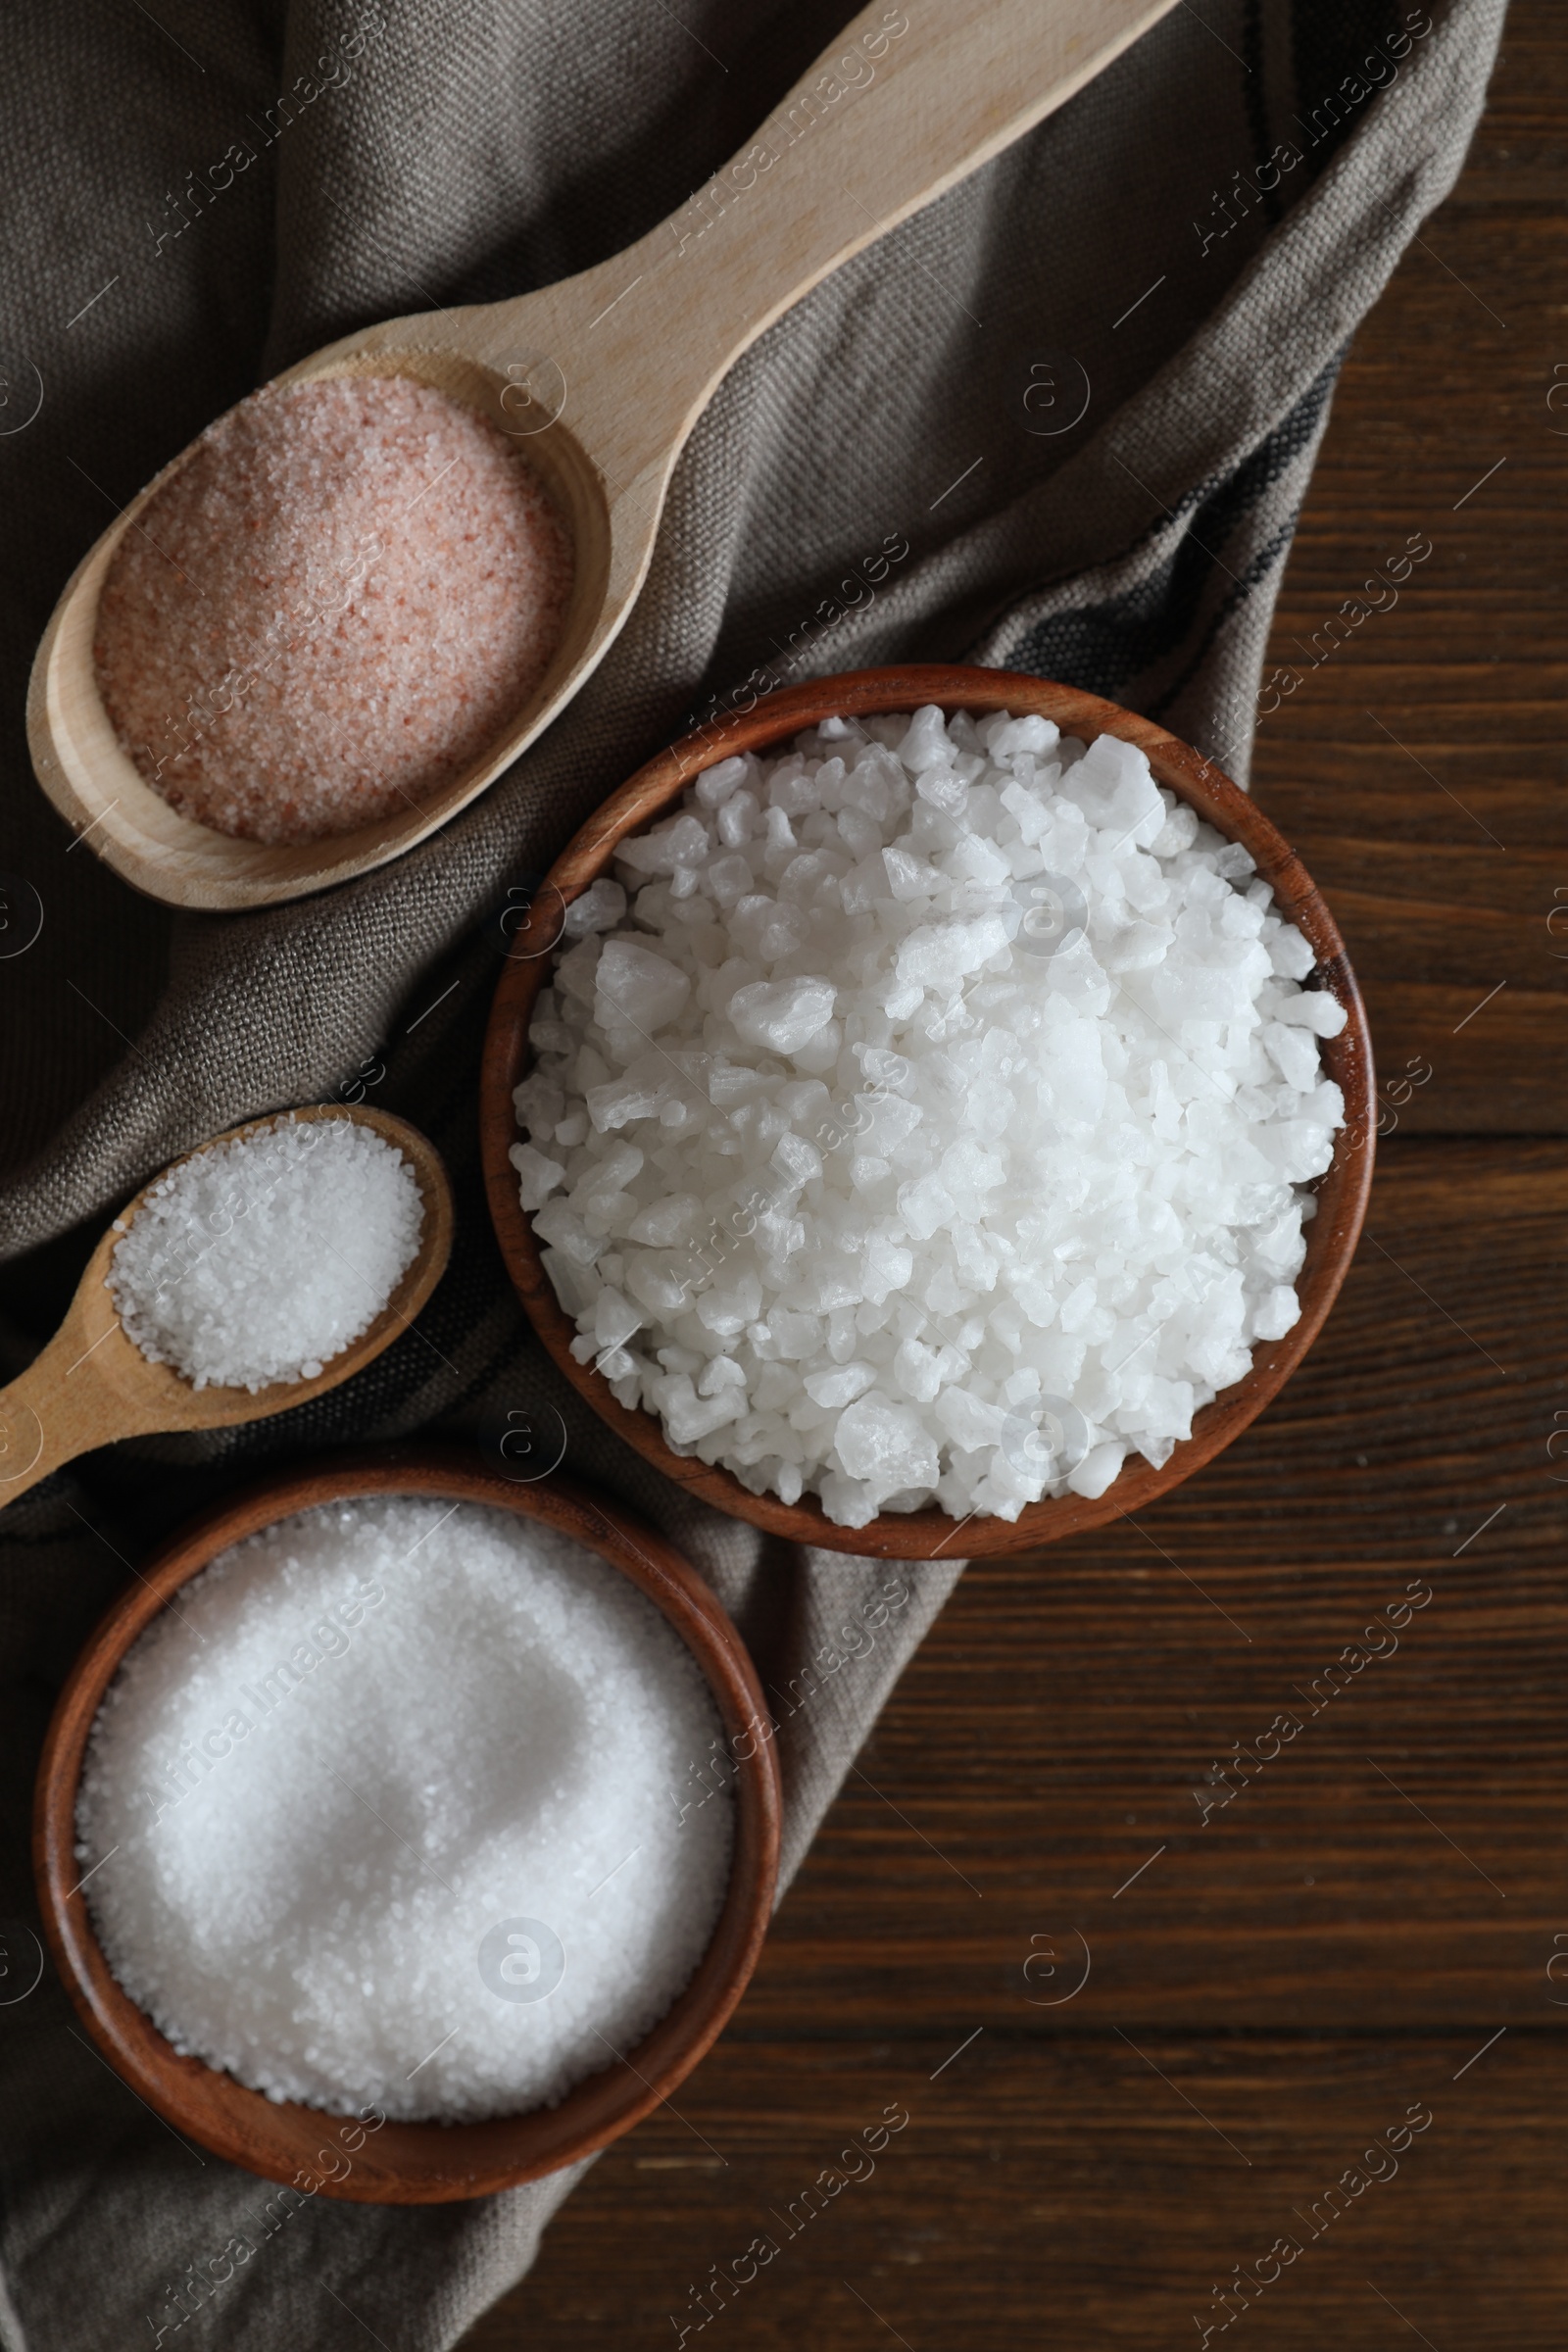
point(93, 1384)
point(600, 380)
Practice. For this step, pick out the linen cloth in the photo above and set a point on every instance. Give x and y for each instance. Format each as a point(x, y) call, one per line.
point(1148, 252)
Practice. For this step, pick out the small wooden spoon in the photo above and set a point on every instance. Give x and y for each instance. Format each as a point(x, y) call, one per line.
point(601, 379)
point(92, 1385)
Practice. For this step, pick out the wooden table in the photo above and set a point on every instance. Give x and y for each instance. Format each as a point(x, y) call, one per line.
point(1368, 1926)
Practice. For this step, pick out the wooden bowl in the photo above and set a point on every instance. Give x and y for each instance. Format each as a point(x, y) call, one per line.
point(406, 2163)
point(1341, 1193)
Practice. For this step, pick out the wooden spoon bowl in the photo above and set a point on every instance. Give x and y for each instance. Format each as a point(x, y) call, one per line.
point(599, 380)
point(84, 769)
point(405, 2163)
point(92, 1384)
point(655, 790)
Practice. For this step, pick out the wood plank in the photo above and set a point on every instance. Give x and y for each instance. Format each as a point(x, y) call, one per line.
point(1419, 766)
point(1049, 2190)
point(1049, 2186)
point(1058, 1725)
point(1044, 1744)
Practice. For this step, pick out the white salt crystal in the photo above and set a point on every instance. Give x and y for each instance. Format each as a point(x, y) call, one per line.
point(538, 1175)
point(417, 1819)
point(1293, 1054)
point(885, 1445)
point(1291, 956)
point(600, 907)
point(261, 1259)
point(1323, 1014)
point(1114, 787)
point(638, 986)
point(782, 1016)
point(1004, 737)
point(992, 1093)
point(716, 785)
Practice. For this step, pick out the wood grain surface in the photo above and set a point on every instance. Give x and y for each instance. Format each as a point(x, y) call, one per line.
point(1385, 1896)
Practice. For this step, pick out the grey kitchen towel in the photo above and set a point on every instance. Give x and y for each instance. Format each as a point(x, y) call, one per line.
point(1083, 391)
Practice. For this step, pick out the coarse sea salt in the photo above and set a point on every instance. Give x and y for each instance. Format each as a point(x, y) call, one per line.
point(385, 1812)
point(926, 1115)
point(331, 609)
point(262, 1258)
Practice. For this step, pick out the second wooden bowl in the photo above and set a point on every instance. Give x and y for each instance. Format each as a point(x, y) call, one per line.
point(406, 2163)
point(651, 793)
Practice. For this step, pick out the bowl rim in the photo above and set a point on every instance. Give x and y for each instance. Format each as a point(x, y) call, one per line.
point(395, 2162)
point(1342, 1192)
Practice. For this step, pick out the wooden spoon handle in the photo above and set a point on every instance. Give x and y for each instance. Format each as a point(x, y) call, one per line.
point(904, 105)
point(45, 1424)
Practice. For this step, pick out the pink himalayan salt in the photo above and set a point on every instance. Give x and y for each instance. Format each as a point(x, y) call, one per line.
point(331, 610)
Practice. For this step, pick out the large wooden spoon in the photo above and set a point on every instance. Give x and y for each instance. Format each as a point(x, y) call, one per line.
point(92, 1384)
point(601, 379)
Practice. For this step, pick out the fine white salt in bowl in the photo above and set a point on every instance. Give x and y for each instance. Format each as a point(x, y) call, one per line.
point(1341, 1192)
point(372, 2156)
